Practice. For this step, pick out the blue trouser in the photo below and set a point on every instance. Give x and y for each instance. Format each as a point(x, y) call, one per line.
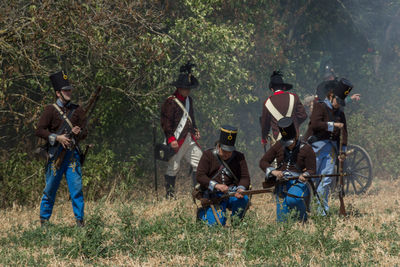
point(290, 196)
point(71, 167)
point(236, 205)
point(326, 160)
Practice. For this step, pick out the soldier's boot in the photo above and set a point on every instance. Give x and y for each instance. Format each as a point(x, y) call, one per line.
point(80, 223)
point(44, 222)
point(194, 181)
point(170, 186)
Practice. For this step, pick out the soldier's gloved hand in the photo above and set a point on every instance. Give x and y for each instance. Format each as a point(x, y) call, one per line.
point(76, 130)
point(63, 140)
point(174, 145)
point(238, 195)
point(277, 174)
point(222, 187)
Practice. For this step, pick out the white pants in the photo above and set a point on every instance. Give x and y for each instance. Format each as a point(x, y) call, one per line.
point(190, 151)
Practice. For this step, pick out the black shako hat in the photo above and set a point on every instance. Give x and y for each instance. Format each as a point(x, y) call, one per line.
point(59, 80)
point(277, 81)
point(288, 131)
point(342, 90)
point(186, 78)
point(227, 138)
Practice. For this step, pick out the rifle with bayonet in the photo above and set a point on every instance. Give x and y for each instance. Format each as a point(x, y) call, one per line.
point(88, 111)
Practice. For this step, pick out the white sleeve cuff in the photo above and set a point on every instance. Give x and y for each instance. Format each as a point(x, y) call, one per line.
point(241, 187)
point(52, 139)
point(211, 185)
point(269, 170)
point(330, 126)
point(306, 174)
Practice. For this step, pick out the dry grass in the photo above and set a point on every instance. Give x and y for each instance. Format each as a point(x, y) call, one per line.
point(372, 225)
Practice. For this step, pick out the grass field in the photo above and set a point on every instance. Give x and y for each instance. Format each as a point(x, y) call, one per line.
point(149, 232)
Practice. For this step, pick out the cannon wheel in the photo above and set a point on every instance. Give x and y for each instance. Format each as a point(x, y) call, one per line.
point(359, 167)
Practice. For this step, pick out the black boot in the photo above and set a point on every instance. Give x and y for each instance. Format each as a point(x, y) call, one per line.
point(44, 222)
point(80, 223)
point(170, 186)
point(194, 181)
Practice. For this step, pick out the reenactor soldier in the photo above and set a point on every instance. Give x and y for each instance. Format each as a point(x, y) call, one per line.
point(280, 104)
point(326, 123)
point(321, 92)
point(222, 170)
point(295, 159)
point(179, 126)
point(61, 124)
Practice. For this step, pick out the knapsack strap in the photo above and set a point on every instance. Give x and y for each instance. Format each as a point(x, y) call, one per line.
point(63, 115)
point(223, 163)
point(276, 114)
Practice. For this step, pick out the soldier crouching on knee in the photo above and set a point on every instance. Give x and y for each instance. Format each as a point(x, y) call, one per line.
point(179, 126)
point(294, 158)
point(222, 170)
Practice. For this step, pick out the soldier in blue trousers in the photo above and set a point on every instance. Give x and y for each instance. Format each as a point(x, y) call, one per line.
point(61, 124)
point(326, 122)
point(294, 158)
point(222, 170)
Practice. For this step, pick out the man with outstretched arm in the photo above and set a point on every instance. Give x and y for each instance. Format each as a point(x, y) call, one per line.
point(61, 125)
point(326, 123)
point(221, 170)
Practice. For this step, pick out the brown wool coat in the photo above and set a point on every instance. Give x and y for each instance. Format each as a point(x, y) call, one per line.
point(281, 103)
point(50, 121)
point(171, 114)
point(209, 166)
point(305, 159)
point(318, 125)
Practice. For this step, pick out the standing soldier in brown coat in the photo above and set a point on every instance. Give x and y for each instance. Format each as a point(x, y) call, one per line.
point(179, 126)
point(326, 123)
point(61, 124)
point(280, 104)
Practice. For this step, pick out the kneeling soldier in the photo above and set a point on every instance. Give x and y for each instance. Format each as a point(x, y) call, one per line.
point(222, 170)
point(294, 158)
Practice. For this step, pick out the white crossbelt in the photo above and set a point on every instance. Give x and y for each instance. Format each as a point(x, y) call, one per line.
point(184, 118)
point(276, 114)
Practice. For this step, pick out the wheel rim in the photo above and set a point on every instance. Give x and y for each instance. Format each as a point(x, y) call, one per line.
point(359, 167)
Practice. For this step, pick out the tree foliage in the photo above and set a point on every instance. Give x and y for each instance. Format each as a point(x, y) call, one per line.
point(134, 50)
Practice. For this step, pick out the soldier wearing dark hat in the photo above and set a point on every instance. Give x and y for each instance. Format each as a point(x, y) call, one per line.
point(179, 126)
point(280, 104)
point(327, 120)
point(294, 158)
point(61, 124)
point(222, 170)
point(321, 91)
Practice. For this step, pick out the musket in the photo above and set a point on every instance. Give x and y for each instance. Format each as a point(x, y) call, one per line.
point(342, 209)
point(88, 111)
point(208, 201)
point(315, 176)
